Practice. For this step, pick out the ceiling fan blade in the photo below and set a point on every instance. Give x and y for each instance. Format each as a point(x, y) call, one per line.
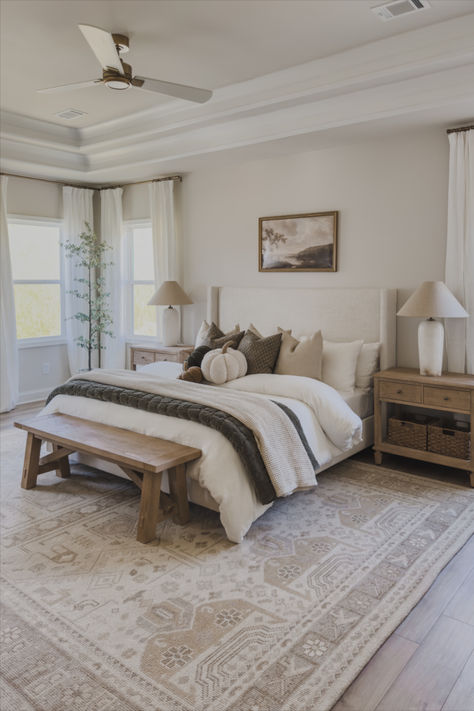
point(180, 91)
point(69, 87)
point(102, 44)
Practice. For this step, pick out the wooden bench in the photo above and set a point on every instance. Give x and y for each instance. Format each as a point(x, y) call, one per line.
point(143, 459)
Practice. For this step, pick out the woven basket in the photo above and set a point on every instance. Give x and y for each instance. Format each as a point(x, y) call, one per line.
point(453, 439)
point(409, 431)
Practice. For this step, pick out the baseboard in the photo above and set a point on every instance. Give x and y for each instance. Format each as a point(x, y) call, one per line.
point(29, 396)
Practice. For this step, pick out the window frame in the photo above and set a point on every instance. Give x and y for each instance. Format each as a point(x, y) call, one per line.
point(131, 337)
point(43, 341)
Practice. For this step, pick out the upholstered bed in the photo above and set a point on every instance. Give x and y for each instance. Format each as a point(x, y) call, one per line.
point(218, 481)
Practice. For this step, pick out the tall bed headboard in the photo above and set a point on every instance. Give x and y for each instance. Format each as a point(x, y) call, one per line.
point(342, 314)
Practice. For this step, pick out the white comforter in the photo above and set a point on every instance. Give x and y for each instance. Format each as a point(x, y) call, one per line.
point(328, 423)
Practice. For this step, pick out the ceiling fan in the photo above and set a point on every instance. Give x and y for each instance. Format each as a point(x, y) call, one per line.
point(117, 75)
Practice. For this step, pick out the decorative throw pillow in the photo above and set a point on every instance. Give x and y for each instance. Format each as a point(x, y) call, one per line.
point(367, 364)
point(255, 330)
point(233, 338)
point(209, 332)
point(300, 357)
point(195, 358)
point(261, 353)
point(339, 364)
point(201, 334)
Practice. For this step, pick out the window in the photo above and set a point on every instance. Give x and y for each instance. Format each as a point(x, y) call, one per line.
point(36, 268)
point(143, 319)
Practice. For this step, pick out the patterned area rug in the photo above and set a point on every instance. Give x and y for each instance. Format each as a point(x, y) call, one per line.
point(93, 620)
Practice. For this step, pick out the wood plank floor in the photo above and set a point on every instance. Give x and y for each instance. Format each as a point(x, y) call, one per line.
point(427, 664)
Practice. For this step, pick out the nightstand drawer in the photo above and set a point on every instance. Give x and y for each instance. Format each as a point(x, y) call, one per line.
point(405, 392)
point(143, 357)
point(167, 356)
point(447, 397)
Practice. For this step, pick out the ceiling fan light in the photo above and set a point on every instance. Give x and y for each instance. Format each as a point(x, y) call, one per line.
point(117, 83)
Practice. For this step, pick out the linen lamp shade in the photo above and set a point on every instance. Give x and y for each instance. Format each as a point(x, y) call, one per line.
point(170, 293)
point(432, 300)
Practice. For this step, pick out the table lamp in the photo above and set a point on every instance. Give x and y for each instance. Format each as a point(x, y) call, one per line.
point(169, 293)
point(432, 300)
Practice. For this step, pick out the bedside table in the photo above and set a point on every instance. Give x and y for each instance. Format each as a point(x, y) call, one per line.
point(449, 394)
point(144, 354)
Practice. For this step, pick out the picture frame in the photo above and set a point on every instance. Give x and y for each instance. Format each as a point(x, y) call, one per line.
point(298, 243)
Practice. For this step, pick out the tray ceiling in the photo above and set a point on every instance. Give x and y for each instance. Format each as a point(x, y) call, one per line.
point(286, 75)
point(199, 42)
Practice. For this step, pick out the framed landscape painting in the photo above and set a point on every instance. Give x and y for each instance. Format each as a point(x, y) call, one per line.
point(298, 243)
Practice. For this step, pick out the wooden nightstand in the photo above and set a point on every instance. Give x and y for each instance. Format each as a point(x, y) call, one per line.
point(144, 354)
point(449, 394)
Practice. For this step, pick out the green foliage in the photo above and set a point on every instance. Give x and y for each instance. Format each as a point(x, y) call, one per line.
point(38, 310)
point(144, 318)
point(90, 253)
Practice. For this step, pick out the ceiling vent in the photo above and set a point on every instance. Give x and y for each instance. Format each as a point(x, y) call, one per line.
point(397, 8)
point(70, 114)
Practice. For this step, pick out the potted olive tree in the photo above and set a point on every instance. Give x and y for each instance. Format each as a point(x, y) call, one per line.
point(90, 254)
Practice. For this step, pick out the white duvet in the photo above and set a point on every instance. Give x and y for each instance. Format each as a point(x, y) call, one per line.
point(329, 424)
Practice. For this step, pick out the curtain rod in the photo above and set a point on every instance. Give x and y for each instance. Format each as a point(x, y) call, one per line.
point(93, 187)
point(458, 130)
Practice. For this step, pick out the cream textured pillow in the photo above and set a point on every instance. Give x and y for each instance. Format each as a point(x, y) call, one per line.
point(255, 330)
point(339, 364)
point(300, 357)
point(367, 365)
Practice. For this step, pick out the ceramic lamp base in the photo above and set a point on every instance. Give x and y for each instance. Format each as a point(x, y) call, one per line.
point(431, 347)
point(170, 327)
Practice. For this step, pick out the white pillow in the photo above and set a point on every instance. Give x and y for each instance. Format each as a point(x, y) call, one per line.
point(339, 364)
point(367, 365)
point(165, 369)
point(201, 334)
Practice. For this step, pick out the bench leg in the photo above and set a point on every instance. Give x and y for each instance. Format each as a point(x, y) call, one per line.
point(149, 507)
point(31, 463)
point(179, 493)
point(63, 471)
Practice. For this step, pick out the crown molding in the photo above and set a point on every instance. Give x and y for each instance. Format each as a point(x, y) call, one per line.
point(424, 68)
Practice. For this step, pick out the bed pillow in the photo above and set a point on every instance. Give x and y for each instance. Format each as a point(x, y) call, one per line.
point(367, 365)
point(209, 332)
point(300, 357)
point(235, 338)
point(339, 364)
point(255, 330)
point(261, 353)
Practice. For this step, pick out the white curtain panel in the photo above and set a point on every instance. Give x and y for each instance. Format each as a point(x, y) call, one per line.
point(165, 249)
point(77, 205)
point(111, 232)
point(163, 226)
point(8, 346)
point(459, 275)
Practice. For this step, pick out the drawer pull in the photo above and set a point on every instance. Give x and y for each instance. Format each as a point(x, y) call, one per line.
point(399, 392)
point(446, 398)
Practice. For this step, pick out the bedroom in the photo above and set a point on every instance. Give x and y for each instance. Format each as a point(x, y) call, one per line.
point(309, 129)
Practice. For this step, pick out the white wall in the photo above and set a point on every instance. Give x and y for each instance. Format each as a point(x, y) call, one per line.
point(391, 195)
point(35, 198)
